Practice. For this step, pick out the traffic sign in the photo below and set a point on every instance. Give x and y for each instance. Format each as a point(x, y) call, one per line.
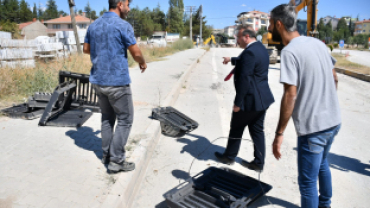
point(341, 43)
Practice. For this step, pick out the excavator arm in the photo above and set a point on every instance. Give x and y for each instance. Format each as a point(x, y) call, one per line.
point(311, 13)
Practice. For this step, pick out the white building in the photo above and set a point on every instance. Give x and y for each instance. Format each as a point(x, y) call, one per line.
point(256, 19)
point(230, 30)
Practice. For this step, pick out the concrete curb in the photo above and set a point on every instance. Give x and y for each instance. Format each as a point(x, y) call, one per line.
point(356, 75)
point(124, 190)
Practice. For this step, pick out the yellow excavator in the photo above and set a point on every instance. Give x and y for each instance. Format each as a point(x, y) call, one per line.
point(209, 39)
point(311, 21)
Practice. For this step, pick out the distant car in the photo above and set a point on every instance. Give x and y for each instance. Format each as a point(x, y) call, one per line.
point(158, 41)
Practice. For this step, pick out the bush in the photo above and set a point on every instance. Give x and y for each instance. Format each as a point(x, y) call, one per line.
point(331, 47)
point(143, 38)
point(335, 45)
point(182, 44)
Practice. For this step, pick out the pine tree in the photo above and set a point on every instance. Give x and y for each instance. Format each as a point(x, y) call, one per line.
point(175, 16)
point(51, 11)
point(40, 13)
point(103, 11)
point(34, 12)
point(12, 9)
point(88, 10)
point(25, 13)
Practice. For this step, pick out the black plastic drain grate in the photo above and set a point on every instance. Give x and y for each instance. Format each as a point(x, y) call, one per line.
point(173, 122)
point(217, 188)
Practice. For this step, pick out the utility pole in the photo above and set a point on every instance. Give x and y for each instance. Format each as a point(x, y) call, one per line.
point(71, 5)
point(190, 9)
point(201, 24)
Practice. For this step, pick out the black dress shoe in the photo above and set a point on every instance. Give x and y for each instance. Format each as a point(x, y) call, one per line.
point(252, 166)
point(224, 159)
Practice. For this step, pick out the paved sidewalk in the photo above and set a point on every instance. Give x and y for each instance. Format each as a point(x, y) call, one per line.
point(60, 167)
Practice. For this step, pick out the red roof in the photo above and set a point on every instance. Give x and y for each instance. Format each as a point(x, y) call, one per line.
point(23, 25)
point(67, 19)
point(365, 21)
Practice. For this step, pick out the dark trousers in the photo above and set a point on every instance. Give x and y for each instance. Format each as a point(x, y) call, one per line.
point(116, 105)
point(254, 120)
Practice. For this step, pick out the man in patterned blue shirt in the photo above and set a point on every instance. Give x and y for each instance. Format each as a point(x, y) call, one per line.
point(107, 41)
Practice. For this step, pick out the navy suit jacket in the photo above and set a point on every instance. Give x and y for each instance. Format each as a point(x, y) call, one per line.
point(251, 78)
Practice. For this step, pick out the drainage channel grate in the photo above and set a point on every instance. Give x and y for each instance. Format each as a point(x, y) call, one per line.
point(173, 122)
point(217, 188)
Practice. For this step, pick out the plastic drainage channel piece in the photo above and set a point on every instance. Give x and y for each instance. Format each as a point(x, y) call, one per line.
point(85, 94)
point(63, 117)
point(216, 188)
point(22, 112)
point(173, 122)
point(41, 96)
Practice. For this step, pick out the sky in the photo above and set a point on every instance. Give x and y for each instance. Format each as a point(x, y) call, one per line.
point(220, 13)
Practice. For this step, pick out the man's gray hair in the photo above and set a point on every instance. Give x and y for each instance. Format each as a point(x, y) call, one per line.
point(113, 3)
point(285, 14)
point(247, 30)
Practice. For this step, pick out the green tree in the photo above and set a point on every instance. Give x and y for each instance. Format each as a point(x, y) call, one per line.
point(25, 13)
point(93, 15)
point(262, 31)
point(12, 10)
point(2, 10)
point(342, 24)
point(34, 12)
point(63, 13)
point(51, 11)
point(175, 16)
point(206, 30)
point(40, 13)
point(11, 27)
point(103, 11)
point(328, 32)
point(88, 10)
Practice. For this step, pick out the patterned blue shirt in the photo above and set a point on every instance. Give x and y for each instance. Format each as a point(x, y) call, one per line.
point(109, 38)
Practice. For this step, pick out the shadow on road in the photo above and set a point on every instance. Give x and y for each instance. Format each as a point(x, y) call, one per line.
point(261, 202)
point(344, 163)
point(86, 138)
point(347, 164)
point(202, 148)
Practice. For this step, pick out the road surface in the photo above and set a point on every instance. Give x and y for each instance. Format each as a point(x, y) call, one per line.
point(208, 99)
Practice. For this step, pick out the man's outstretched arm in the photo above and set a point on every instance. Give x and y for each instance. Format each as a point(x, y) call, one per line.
point(286, 110)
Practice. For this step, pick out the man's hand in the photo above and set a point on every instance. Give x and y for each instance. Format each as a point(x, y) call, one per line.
point(143, 67)
point(226, 60)
point(276, 145)
point(236, 109)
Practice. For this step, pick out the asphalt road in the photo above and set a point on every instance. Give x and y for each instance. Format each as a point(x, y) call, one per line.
point(360, 57)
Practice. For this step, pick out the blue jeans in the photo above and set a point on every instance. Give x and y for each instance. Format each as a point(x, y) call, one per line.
point(313, 150)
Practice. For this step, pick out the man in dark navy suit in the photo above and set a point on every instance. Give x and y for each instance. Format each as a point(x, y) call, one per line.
point(253, 98)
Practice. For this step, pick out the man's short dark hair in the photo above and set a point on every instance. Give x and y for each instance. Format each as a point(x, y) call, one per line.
point(247, 30)
point(113, 3)
point(285, 14)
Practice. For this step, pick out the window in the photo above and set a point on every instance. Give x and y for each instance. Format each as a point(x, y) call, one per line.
point(263, 21)
point(56, 26)
point(70, 26)
point(364, 31)
point(249, 20)
point(82, 26)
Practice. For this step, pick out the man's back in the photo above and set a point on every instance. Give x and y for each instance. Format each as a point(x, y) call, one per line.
point(109, 38)
point(254, 64)
point(306, 64)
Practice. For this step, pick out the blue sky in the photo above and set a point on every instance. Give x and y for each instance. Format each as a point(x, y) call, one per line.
point(223, 13)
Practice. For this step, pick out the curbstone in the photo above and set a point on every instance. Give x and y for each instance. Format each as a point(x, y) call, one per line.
point(353, 74)
point(124, 190)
